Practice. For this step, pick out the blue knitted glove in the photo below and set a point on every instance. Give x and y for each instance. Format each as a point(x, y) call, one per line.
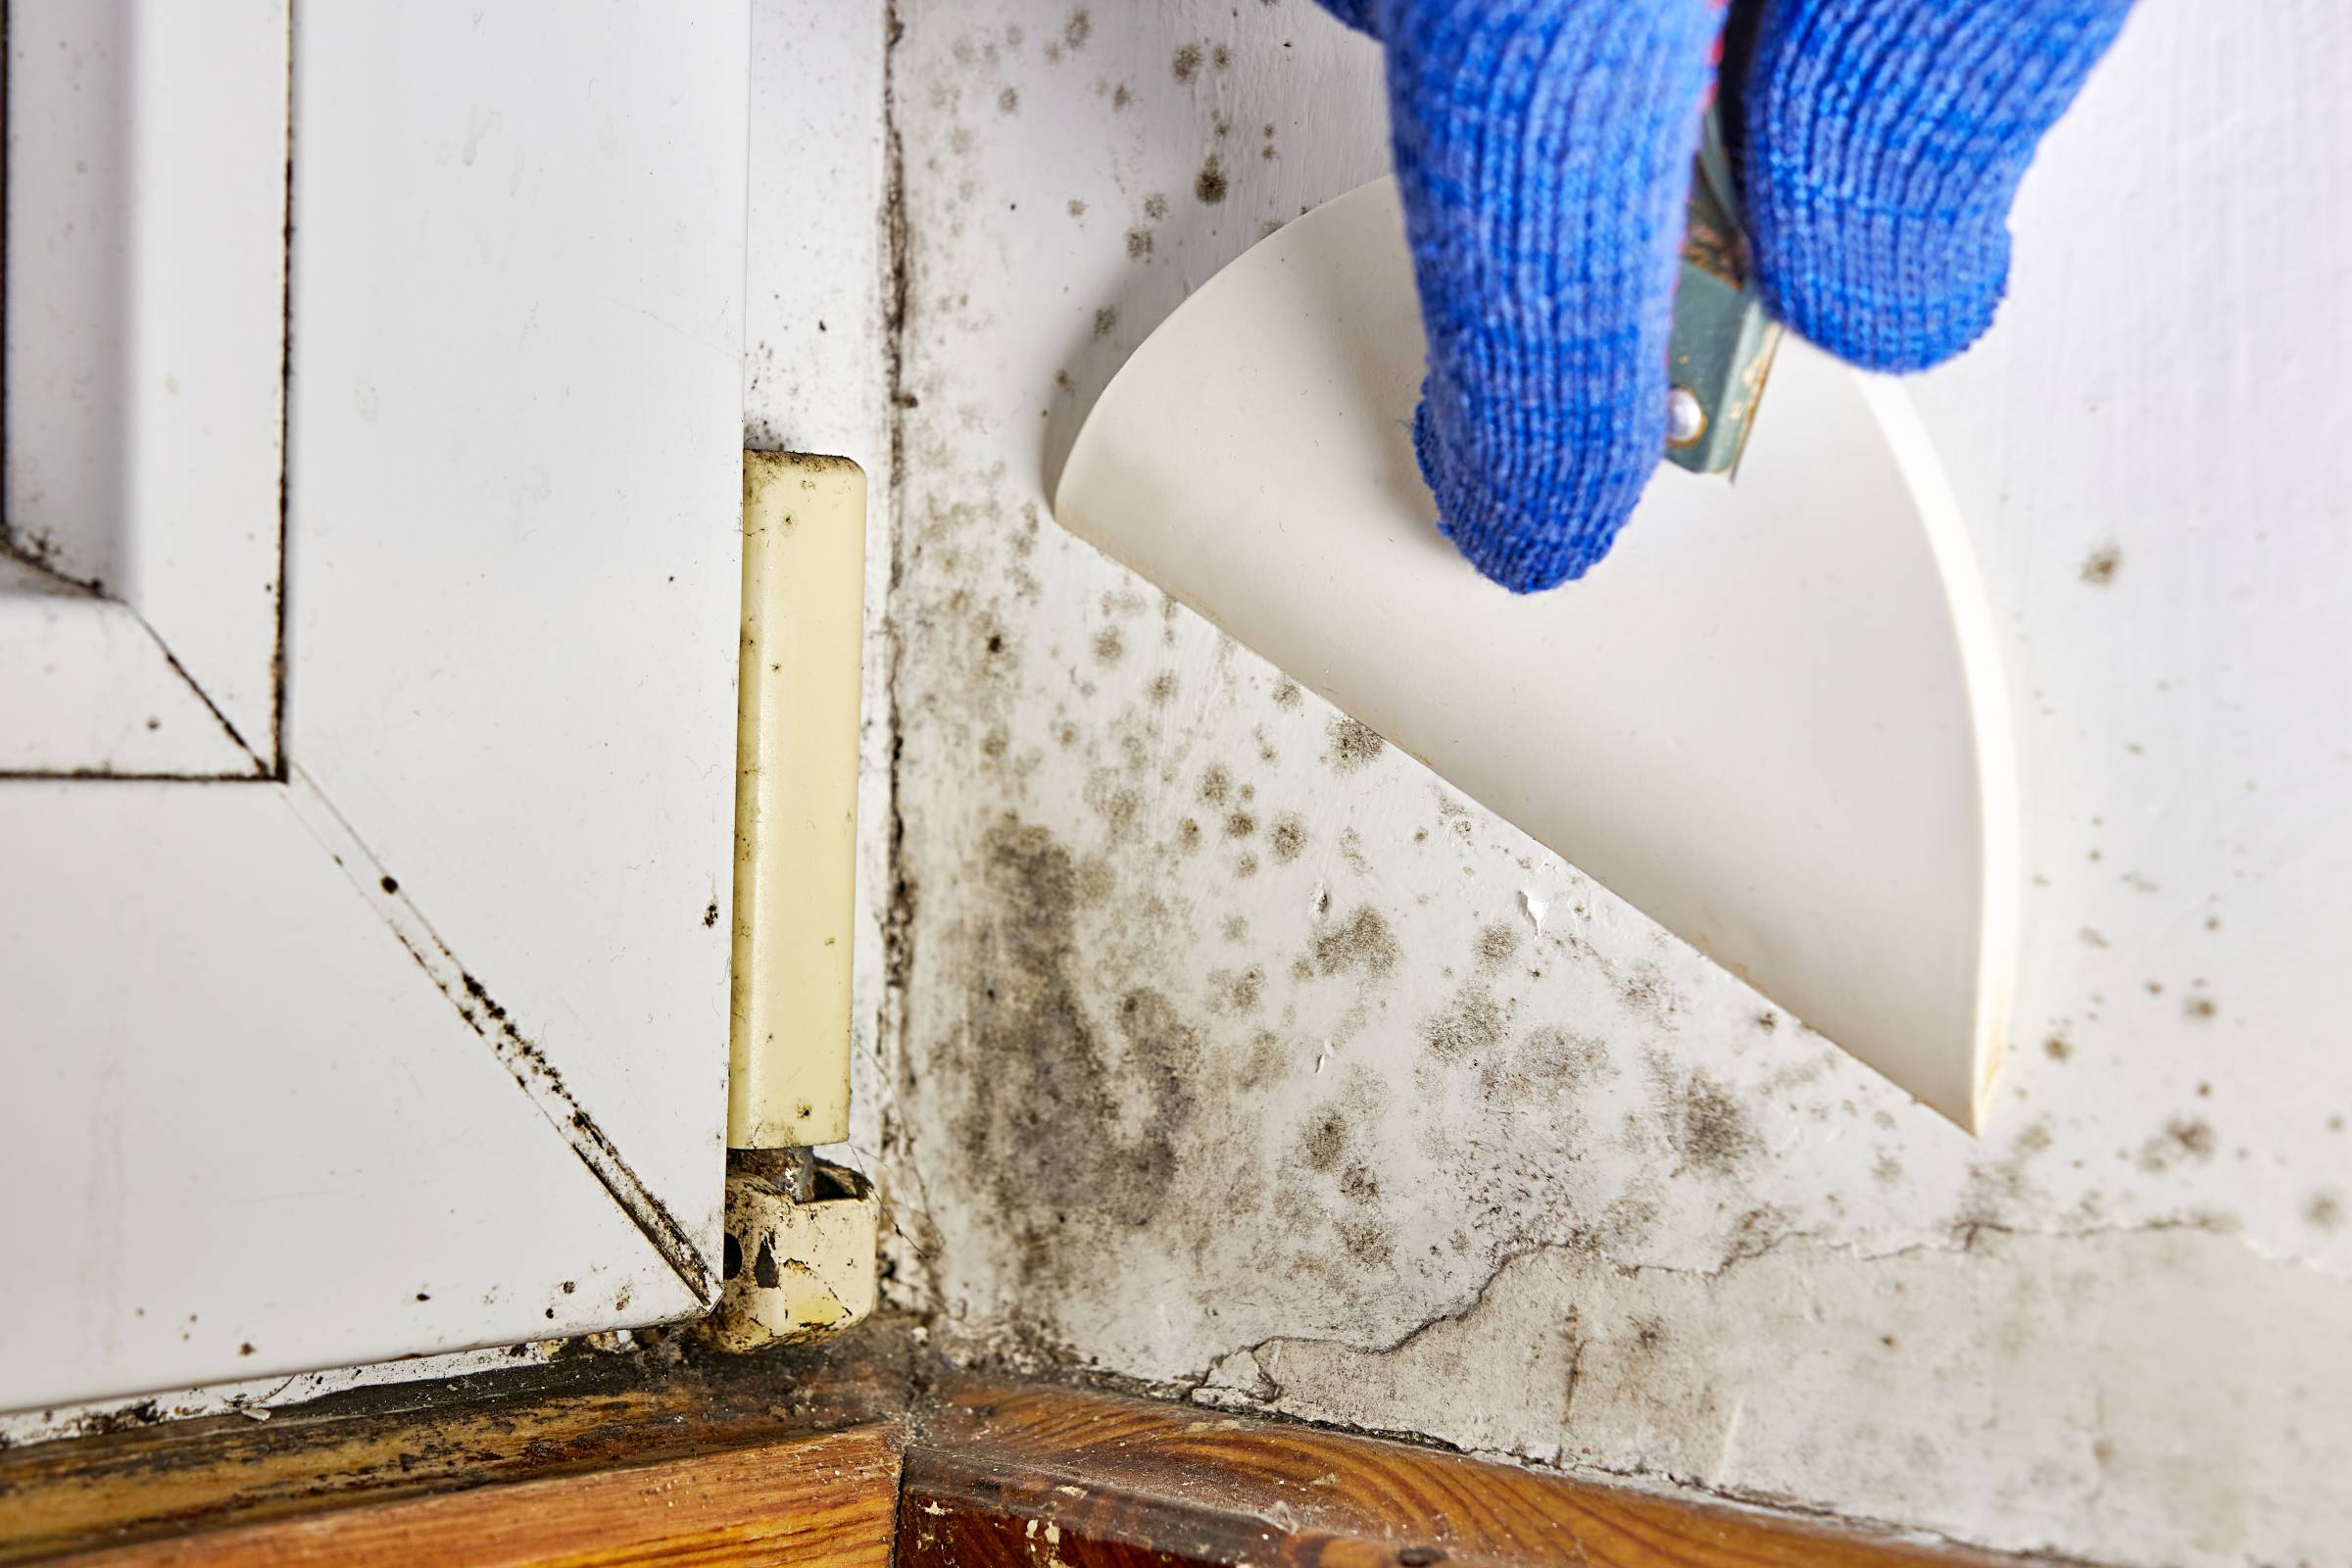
point(1545, 148)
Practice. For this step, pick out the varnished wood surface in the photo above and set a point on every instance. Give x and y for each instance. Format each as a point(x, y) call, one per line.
point(793, 1457)
point(1017, 1476)
point(821, 1501)
point(571, 1417)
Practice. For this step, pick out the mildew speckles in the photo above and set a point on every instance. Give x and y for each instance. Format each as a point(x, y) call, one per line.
point(2183, 1138)
point(1156, 206)
point(1240, 825)
point(1704, 1125)
point(1497, 945)
point(2325, 1211)
point(2057, 1048)
point(1216, 785)
point(1164, 687)
point(2101, 564)
point(1186, 63)
point(1361, 945)
point(1353, 743)
point(1325, 1139)
point(1110, 645)
point(1106, 320)
point(1645, 993)
point(2199, 1009)
point(1286, 693)
point(1079, 28)
point(1139, 243)
point(1009, 102)
point(1544, 1068)
point(1210, 186)
point(1468, 1028)
point(1288, 838)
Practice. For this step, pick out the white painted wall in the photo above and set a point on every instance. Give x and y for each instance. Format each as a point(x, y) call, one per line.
point(1230, 1058)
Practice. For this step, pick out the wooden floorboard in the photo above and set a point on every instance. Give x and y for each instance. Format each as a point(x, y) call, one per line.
point(575, 1417)
point(822, 1501)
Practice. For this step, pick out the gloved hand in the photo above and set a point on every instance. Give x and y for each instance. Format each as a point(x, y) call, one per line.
point(1544, 150)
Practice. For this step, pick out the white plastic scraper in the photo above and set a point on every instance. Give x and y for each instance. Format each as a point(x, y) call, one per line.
point(1772, 719)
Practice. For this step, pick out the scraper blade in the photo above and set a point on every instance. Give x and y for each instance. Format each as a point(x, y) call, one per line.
point(1772, 720)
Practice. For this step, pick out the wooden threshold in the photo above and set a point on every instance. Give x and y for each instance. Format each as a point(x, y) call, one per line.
point(862, 1455)
point(1010, 1475)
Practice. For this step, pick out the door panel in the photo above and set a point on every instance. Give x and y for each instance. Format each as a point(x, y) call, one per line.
point(416, 1038)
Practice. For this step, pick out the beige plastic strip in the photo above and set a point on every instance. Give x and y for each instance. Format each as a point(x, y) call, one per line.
point(795, 799)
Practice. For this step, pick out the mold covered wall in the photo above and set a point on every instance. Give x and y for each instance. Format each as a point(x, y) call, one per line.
point(1236, 1053)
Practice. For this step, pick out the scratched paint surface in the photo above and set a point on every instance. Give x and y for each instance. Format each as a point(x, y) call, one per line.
point(1237, 1054)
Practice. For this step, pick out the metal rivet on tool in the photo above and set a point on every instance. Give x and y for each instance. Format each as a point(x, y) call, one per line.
point(1685, 418)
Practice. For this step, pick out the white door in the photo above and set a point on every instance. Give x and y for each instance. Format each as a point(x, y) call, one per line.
point(366, 678)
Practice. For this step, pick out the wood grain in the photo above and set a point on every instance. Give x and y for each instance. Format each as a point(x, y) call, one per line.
point(821, 1501)
point(571, 1417)
point(1015, 1476)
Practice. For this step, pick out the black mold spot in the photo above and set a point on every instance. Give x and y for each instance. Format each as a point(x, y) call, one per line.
point(1706, 1126)
point(1353, 743)
point(1645, 993)
point(1110, 645)
point(1288, 838)
point(1240, 825)
point(2183, 1138)
point(1187, 63)
point(1286, 694)
point(1474, 1024)
point(1216, 785)
point(1367, 1241)
point(1497, 945)
point(1326, 1140)
point(765, 1272)
point(711, 915)
point(1139, 244)
point(1211, 187)
point(1362, 944)
point(1545, 1067)
point(390, 884)
point(1156, 206)
point(1106, 320)
point(1074, 1118)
